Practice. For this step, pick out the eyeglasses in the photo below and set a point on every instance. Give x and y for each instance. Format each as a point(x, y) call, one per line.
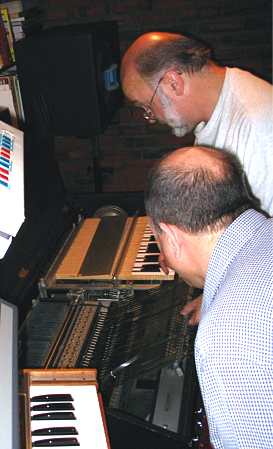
point(148, 113)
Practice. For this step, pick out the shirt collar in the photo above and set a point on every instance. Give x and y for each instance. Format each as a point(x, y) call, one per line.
point(218, 107)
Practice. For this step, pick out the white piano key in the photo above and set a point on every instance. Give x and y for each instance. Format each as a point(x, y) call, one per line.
point(145, 253)
point(142, 264)
point(137, 270)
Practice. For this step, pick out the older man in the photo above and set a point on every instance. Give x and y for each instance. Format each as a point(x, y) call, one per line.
point(211, 235)
point(175, 81)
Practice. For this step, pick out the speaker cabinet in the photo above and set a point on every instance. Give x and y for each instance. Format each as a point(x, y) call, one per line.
point(69, 78)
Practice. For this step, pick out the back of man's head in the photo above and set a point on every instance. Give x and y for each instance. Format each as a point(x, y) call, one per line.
point(155, 52)
point(197, 189)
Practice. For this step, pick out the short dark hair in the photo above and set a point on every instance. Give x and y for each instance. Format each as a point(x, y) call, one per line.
point(179, 52)
point(197, 199)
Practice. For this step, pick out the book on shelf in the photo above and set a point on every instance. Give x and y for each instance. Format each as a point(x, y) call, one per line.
point(9, 31)
point(10, 98)
point(17, 27)
point(17, 99)
point(13, 16)
point(15, 7)
point(5, 53)
point(7, 99)
point(10, 95)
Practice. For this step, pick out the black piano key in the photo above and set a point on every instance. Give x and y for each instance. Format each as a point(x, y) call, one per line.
point(152, 248)
point(150, 258)
point(56, 397)
point(53, 406)
point(55, 442)
point(145, 251)
point(53, 415)
point(150, 268)
point(47, 431)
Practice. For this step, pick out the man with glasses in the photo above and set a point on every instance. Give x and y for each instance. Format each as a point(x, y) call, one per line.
point(175, 81)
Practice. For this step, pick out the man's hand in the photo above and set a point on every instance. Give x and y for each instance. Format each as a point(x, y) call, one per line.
point(162, 264)
point(193, 309)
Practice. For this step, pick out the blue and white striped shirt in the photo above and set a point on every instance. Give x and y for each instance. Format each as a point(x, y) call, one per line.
point(234, 343)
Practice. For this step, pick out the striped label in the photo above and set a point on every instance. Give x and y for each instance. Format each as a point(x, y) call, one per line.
point(6, 152)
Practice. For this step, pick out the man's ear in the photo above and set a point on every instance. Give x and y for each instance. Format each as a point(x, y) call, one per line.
point(174, 83)
point(174, 237)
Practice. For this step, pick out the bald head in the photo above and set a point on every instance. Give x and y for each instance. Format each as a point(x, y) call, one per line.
point(195, 158)
point(197, 189)
point(146, 42)
point(153, 53)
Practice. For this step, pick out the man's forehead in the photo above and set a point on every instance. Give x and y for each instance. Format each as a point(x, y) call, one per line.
point(135, 88)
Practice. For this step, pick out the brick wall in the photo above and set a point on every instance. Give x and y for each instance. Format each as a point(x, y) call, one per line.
point(238, 30)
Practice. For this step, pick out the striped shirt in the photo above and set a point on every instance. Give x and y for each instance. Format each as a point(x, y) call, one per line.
point(234, 343)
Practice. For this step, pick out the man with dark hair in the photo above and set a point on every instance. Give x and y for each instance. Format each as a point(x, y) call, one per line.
point(211, 235)
point(175, 81)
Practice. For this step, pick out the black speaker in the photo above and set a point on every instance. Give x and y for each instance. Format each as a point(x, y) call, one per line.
point(69, 78)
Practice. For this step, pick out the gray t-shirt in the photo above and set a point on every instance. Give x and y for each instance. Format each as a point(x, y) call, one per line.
point(242, 123)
